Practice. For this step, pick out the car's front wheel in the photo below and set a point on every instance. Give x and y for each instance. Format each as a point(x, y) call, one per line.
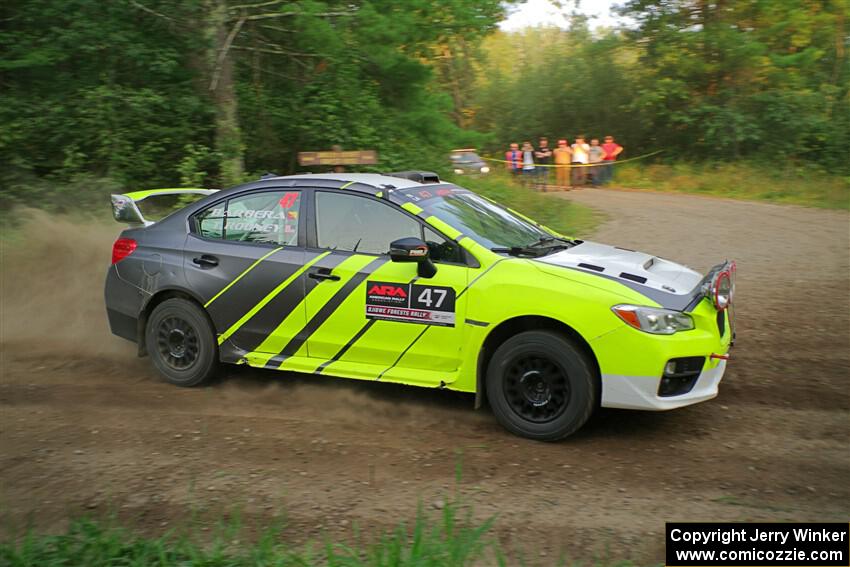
point(541, 386)
point(181, 342)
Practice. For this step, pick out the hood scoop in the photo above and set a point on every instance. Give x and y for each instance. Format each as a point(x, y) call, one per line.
point(632, 277)
point(627, 266)
point(591, 267)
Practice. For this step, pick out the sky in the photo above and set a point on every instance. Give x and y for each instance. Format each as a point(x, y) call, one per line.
point(544, 12)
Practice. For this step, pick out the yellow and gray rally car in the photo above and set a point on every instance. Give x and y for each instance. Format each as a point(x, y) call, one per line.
point(403, 278)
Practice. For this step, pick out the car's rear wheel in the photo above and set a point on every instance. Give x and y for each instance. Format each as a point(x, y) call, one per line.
point(181, 343)
point(541, 386)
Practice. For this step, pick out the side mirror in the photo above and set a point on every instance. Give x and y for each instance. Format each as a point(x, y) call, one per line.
point(413, 250)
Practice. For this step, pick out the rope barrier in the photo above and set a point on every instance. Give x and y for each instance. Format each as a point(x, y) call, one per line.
point(571, 165)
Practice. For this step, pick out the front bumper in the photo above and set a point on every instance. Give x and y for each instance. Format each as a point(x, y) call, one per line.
point(641, 392)
point(632, 363)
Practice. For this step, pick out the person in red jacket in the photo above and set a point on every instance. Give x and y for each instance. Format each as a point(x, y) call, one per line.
point(514, 158)
point(612, 149)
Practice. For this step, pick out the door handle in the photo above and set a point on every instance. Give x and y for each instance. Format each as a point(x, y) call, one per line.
point(323, 274)
point(206, 261)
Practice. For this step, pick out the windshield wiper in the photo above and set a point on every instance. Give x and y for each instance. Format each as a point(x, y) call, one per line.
point(514, 251)
point(541, 247)
point(549, 240)
point(522, 251)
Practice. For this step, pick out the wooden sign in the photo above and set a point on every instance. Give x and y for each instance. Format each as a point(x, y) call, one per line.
point(331, 157)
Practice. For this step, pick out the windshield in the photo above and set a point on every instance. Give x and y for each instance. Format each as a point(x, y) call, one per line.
point(483, 220)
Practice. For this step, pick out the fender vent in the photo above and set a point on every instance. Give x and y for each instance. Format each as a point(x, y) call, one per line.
point(632, 277)
point(591, 267)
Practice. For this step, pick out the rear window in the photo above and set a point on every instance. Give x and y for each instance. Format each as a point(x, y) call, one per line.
point(268, 217)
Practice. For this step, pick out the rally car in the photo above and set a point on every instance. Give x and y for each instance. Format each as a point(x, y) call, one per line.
point(403, 278)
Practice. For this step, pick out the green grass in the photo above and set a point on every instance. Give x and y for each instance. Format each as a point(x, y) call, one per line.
point(565, 216)
point(446, 540)
point(783, 183)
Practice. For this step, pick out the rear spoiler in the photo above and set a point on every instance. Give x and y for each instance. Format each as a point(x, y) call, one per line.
point(124, 208)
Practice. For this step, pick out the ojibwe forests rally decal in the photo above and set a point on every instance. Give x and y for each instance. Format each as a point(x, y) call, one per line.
point(410, 303)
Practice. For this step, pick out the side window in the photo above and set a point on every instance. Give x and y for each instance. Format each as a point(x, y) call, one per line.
point(443, 250)
point(211, 221)
point(359, 224)
point(267, 218)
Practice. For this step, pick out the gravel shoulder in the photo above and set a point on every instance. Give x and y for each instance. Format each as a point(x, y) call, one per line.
point(88, 429)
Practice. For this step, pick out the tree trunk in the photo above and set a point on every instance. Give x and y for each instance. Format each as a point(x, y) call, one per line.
point(228, 135)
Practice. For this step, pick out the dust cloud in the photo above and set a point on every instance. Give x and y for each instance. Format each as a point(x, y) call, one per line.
point(52, 313)
point(52, 271)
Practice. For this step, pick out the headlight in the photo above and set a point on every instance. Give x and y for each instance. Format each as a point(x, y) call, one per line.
point(459, 171)
point(654, 320)
point(485, 169)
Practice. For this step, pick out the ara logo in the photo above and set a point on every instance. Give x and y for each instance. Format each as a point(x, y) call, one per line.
point(388, 291)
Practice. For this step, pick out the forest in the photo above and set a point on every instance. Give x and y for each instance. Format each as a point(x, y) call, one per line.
point(151, 93)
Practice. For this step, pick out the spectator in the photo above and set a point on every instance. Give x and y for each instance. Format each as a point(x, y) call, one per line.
point(527, 162)
point(580, 159)
point(514, 158)
point(562, 155)
point(612, 150)
point(543, 157)
point(596, 154)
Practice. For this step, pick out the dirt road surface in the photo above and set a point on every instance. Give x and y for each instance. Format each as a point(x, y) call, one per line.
point(88, 429)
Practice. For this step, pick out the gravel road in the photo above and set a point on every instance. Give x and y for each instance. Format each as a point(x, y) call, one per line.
point(88, 429)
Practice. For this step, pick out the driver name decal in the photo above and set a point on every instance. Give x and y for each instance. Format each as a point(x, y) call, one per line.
point(410, 303)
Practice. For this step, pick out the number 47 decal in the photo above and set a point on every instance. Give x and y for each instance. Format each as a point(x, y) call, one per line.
point(426, 299)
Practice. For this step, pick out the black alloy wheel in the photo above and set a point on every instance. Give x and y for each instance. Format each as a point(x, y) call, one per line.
point(177, 343)
point(541, 385)
point(181, 342)
point(537, 388)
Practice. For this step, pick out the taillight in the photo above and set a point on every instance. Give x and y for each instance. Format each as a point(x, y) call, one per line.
point(122, 248)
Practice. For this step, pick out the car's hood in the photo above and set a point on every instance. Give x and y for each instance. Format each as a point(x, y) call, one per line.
point(666, 282)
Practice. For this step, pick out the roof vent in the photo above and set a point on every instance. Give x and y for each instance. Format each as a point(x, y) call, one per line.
point(418, 176)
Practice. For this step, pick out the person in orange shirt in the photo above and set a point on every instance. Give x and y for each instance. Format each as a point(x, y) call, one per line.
point(563, 156)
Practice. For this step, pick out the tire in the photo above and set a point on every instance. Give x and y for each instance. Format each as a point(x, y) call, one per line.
point(541, 386)
point(181, 343)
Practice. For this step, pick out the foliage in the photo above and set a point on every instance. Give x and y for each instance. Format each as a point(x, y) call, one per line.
point(447, 540)
point(155, 93)
point(152, 93)
point(194, 168)
point(91, 88)
point(803, 185)
point(764, 80)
